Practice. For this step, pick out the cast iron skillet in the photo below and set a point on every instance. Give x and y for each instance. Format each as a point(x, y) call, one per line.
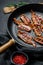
point(12, 27)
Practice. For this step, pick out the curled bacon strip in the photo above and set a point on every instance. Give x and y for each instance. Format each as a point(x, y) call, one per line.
point(42, 25)
point(35, 18)
point(18, 22)
point(21, 25)
point(39, 40)
point(25, 19)
point(24, 27)
point(42, 21)
point(37, 30)
point(25, 37)
point(36, 24)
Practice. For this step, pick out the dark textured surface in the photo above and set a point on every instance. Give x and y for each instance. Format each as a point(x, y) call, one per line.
point(5, 57)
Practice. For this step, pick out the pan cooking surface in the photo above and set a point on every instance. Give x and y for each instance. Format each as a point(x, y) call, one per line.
point(12, 27)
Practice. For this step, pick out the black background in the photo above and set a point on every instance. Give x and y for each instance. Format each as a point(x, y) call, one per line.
point(3, 29)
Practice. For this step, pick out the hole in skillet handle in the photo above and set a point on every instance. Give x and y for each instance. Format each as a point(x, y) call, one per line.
point(16, 53)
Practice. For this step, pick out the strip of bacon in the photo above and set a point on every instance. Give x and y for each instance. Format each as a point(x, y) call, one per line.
point(39, 40)
point(35, 18)
point(25, 19)
point(26, 38)
point(41, 37)
point(18, 22)
point(36, 24)
point(41, 21)
point(22, 26)
point(36, 29)
point(42, 25)
point(39, 18)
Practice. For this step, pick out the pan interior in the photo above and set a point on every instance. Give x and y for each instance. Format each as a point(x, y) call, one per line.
point(12, 27)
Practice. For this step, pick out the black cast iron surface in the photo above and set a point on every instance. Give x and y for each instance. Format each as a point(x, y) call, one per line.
point(5, 57)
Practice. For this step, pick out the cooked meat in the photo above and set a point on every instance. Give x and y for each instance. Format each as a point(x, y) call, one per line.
point(36, 29)
point(42, 25)
point(35, 18)
point(18, 22)
point(41, 21)
point(25, 37)
point(39, 40)
point(24, 27)
point(21, 25)
point(41, 37)
point(40, 18)
point(36, 24)
point(25, 19)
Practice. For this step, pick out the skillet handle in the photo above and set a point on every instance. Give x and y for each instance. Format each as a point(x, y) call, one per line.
point(6, 45)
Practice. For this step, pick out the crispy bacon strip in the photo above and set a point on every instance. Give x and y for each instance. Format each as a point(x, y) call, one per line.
point(35, 18)
point(41, 21)
point(39, 40)
point(21, 25)
point(41, 37)
point(26, 38)
point(24, 27)
point(25, 19)
point(36, 24)
point(40, 18)
point(18, 22)
point(37, 30)
point(42, 25)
